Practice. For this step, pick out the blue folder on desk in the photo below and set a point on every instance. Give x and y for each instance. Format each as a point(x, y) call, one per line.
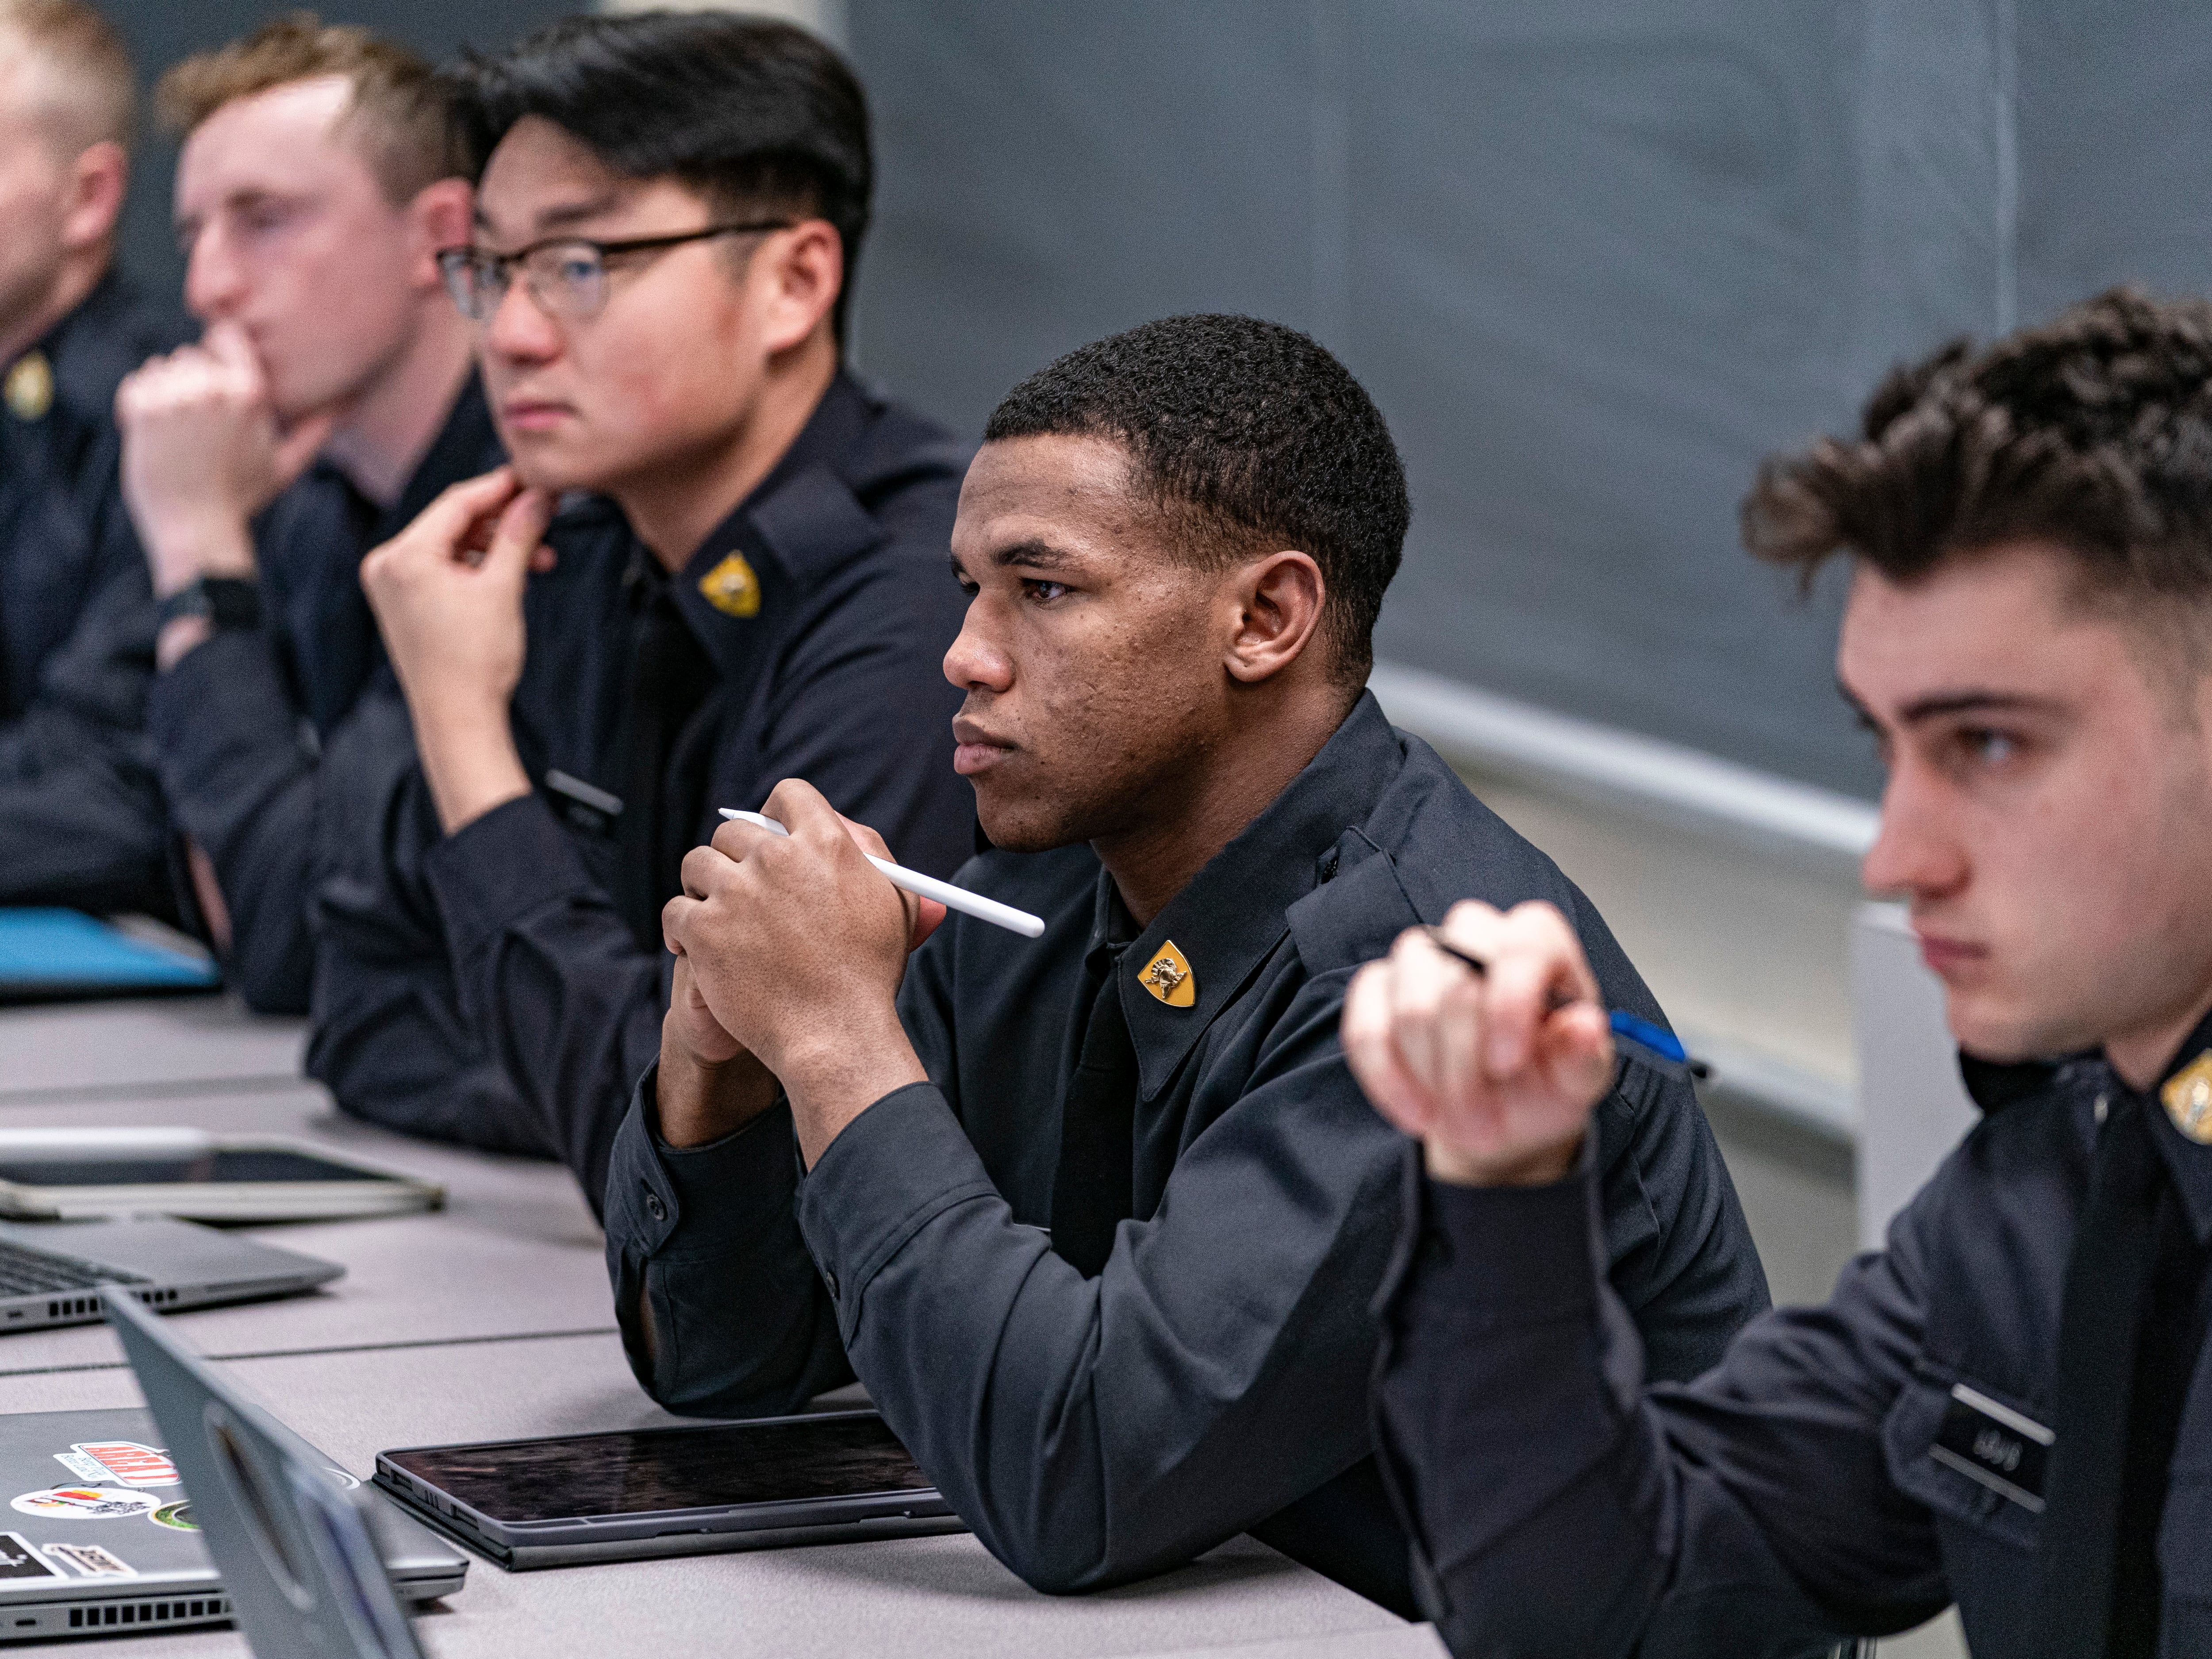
point(48, 956)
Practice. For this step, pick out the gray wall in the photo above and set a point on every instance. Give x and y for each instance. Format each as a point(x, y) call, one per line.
point(1592, 256)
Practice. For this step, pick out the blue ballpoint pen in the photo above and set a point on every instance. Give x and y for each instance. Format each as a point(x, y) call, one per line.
point(1654, 1045)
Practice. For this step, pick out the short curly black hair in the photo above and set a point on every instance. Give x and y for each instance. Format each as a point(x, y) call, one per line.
point(1250, 437)
point(2092, 432)
point(754, 114)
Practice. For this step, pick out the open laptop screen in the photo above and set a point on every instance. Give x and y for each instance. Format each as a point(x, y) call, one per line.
point(846, 1454)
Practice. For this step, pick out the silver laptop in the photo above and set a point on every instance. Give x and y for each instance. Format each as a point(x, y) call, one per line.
point(98, 1534)
point(311, 1563)
point(50, 1273)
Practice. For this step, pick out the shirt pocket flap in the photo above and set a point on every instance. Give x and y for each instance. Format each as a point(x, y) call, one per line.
point(1927, 1441)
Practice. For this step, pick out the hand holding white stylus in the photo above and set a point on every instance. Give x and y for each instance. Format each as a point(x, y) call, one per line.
point(929, 887)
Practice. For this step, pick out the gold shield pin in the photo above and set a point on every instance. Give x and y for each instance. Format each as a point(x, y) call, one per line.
point(2188, 1099)
point(732, 588)
point(1168, 978)
point(30, 388)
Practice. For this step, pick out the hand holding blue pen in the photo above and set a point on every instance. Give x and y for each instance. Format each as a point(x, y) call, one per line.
point(1488, 1040)
point(1654, 1045)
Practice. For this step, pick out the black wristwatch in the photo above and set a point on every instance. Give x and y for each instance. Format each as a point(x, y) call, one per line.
point(225, 601)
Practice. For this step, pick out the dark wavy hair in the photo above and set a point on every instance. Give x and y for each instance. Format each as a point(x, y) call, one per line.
point(2091, 434)
point(756, 115)
point(1247, 436)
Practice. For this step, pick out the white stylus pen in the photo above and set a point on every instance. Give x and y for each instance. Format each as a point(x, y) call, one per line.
point(951, 897)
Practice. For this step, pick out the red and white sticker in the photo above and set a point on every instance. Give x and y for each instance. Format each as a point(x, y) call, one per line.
point(91, 1561)
point(130, 1462)
point(83, 1502)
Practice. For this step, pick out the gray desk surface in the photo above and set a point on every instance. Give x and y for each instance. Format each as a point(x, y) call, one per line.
point(490, 1320)
point(929, 1594)
point(78, 1050)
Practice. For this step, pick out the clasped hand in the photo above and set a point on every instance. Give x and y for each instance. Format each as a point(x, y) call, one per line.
point(202, 452)
point(790, 951)
point(1497, 1074)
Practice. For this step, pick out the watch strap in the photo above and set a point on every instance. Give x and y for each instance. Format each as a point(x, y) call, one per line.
point(225, 601)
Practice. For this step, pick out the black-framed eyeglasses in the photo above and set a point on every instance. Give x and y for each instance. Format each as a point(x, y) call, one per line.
point(567, 276)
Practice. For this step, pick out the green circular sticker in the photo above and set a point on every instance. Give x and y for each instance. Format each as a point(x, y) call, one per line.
point(178, 1516)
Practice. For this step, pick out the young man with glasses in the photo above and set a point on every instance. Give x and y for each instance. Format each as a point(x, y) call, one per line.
point(666, 223)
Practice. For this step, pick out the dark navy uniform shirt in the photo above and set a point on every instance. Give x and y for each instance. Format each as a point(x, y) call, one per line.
point(81, 817)
point(505, 985)
point(242, 722)
point(1212, 1379)
point(1848, 1469)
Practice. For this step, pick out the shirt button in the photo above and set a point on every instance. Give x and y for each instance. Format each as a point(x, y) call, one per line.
point(654, 1206)
point(830, 1279)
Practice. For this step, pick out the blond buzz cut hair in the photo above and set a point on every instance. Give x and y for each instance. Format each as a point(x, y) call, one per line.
point(400, 115)
point(91, 87)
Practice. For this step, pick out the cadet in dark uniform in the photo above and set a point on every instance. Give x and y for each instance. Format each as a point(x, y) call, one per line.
point(80, 819)
point(663, 231)
point(331, 357)
point(2006, 1408)
point(1098, 1217)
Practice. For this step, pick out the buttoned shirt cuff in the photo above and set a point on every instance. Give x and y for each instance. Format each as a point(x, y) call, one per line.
point(888, 1173)
point(1498, 1256)
point(664, 1202)
point(490, 874)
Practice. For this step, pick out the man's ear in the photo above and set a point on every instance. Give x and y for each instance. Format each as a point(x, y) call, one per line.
point(96, 184)
point(1278, 602)
point(798, 274)
point(438, 218)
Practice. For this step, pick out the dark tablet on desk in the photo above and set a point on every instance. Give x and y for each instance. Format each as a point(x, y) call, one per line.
point(625, 1496)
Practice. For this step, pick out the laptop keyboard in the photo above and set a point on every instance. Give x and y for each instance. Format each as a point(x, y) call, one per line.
point(25, 1272)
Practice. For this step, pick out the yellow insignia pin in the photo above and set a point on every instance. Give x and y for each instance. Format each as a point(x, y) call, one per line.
point(30, 388)
point(1168, 978)
point(2188, 1099)
point(732, 588)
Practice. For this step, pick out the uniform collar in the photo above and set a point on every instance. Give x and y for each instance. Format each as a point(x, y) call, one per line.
point(800, 523)
point(2190, 1162)
point(467, 445)
point(90, 350)
point(1225, 924)
point(1995, 1086)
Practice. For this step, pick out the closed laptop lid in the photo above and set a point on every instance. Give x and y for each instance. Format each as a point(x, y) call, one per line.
point(91, 1505)
point(100, 1483)
point(165, 1252)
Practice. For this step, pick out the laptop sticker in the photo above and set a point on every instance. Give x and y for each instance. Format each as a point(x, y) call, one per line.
point(178, 1516)
point(91, 1561)
point(19, 1560)
point(132, 1464)
point(83, 1502)
point(83, 1468)
point(340, 1476)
